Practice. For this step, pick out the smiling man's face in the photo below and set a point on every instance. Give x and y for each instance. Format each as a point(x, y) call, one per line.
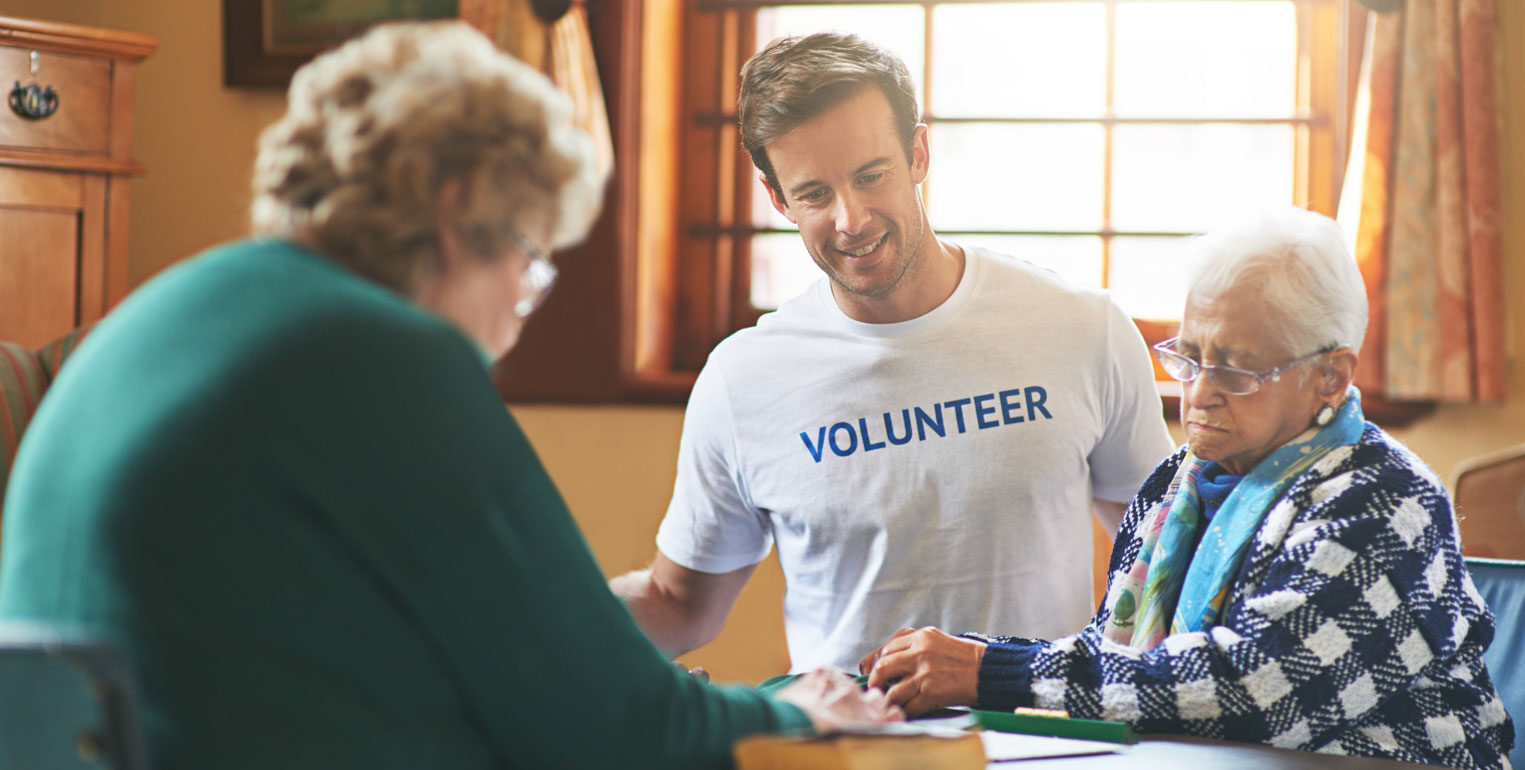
point(853, 192)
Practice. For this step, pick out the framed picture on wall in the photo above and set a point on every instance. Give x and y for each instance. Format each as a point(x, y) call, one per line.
point(264, 41)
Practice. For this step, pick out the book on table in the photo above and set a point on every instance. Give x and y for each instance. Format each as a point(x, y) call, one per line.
point(863, 750)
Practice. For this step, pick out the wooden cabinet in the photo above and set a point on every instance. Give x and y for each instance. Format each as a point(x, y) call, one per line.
point(65, 160)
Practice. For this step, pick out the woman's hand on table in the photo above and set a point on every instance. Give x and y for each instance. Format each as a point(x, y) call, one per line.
point(833, 701)
point(925, 669)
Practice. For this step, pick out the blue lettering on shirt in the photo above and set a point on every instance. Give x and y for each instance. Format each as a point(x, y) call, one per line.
point(957, 405)
point(852, 445)
point(889, 428)
point(868, 443)
point(924, 421)
point(819, 445)
point(980, 410)
point(1035, 398)
point(844, 437)
point(1010, 412)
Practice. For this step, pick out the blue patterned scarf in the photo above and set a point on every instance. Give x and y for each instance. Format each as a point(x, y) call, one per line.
point(1177, 577)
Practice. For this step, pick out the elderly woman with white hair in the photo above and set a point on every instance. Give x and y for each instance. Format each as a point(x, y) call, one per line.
point(280, 479)
point(1290, 576)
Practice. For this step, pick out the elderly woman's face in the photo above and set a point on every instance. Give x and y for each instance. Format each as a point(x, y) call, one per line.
point(1240, 431)
point(480, 293)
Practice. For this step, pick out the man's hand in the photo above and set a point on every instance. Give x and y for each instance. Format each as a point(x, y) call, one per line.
point(833, 701)
point(925, 669)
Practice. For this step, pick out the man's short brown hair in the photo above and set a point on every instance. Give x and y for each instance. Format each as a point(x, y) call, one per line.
point(794, 79)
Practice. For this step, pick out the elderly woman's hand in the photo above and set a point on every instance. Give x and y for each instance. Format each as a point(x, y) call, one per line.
point(833, 700)
point(925, 669)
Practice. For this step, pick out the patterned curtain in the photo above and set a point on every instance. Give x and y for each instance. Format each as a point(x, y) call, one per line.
point(1426, 203)
point(552, 35)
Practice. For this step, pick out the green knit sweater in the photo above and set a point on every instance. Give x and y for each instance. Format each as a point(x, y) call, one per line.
point(298, 505)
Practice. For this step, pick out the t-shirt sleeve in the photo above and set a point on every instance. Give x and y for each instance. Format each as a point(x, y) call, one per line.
point(1135, 439)
point(454, 513)
point(710, 525)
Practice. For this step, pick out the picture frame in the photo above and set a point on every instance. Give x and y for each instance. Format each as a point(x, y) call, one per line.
point(265, 41)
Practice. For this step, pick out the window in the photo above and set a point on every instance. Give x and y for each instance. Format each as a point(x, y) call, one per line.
point(1083, 135)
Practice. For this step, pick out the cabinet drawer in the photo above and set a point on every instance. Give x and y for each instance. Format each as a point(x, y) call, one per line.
point(82, 122)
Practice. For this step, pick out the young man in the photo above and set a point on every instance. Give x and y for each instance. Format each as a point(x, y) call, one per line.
point(921, 433)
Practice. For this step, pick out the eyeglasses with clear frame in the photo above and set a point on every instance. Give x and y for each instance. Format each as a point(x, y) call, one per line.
point(1229, 379)
point(537, 279)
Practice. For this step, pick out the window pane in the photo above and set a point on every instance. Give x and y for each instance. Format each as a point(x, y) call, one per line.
point(896, 27)
point(1189, 59)
point(1019, 59)
point(1187, 178)
point(989, 176)
point(1148, 276)
point(1076, 258)
point(781, 268)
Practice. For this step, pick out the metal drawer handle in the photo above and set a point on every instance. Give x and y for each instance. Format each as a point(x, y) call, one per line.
point(33, 102)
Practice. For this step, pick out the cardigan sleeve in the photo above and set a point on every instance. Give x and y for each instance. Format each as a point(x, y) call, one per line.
point(1362, 602)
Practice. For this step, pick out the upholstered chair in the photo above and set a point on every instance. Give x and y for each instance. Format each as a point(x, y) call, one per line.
point(24, 377)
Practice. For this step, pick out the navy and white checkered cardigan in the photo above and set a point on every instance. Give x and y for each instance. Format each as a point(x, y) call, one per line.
point(1352, 628)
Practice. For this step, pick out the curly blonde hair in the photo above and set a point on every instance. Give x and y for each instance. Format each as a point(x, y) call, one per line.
point(375, 129)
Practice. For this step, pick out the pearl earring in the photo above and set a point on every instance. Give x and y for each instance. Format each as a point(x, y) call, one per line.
point(1324, 416)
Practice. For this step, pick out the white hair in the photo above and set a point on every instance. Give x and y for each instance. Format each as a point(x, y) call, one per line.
point(1298, 262)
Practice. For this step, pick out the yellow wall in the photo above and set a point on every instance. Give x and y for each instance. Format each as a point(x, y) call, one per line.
point(614, 464)
point(71, 11)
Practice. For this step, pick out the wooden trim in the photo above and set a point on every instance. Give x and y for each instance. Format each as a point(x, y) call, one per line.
point(52, 161)
point(117, 244)
point(624, 36)
point(570, 351)
point(743, 184)
point(94, 259)
point(75, 38)
point(1320, 44)
point(119, 132)
point(32, 189)
point(648, 284)
point(699, 297)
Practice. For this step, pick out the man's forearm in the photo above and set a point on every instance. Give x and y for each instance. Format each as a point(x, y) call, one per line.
point(1109, 513)
point(665, 623)
point(680, 609)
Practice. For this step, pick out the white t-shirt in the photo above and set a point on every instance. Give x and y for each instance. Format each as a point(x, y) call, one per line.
point(937, 471)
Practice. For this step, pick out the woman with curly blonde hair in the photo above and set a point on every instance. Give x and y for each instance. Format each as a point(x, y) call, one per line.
point(279, 479)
